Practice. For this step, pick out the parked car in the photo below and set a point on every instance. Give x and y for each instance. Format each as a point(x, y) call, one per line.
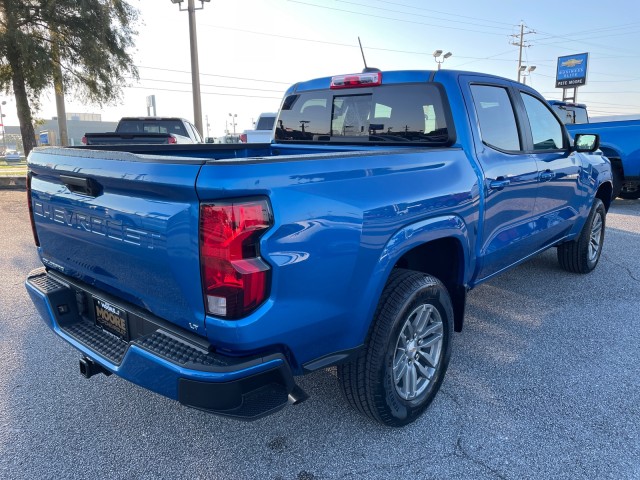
point(13, 156)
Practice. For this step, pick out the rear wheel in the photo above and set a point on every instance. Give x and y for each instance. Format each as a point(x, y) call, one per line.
point(582, 254)
point(401, 368)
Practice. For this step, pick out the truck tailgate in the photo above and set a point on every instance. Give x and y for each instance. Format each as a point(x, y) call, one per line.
point(127, 225)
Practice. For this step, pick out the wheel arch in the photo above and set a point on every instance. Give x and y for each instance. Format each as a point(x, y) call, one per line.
point(614, 156)
point(617, 171)
point(604, 193)
point(439, 247)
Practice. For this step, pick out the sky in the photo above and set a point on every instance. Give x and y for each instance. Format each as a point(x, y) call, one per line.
point(250, 51)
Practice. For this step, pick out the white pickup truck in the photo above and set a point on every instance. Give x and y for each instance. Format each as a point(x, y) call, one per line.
point(263, 132)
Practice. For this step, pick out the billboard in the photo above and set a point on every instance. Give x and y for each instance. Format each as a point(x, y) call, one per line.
point(572, 70)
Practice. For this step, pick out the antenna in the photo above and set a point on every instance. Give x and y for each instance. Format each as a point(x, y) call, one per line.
point(362, 52)
point(366, 69)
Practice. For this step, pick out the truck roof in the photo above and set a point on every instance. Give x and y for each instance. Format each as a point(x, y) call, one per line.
point(392, 77)
point(566, 104)
point(153, 118)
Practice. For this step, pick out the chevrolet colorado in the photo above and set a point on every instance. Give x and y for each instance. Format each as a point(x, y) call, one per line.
point(216, 274)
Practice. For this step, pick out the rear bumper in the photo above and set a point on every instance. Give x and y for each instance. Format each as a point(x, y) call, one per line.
point(163, 358)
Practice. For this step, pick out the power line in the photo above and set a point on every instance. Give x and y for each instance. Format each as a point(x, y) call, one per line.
point(615, 104)
point(204, 93)
point(214, 75)
point(418, 15)
point(490, 57)
point(207, 85)
point(444, 13)
point(580, 40)
point(587, 32)
point(394, 19)
point(350, 45)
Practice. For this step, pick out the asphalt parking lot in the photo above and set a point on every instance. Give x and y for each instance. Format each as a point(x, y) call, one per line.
point(544, 382)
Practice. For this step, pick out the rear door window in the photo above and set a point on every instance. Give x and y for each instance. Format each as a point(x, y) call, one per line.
point(496, 116)
point(545, 128)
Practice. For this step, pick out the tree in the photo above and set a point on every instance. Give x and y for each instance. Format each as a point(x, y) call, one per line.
point(88, 41)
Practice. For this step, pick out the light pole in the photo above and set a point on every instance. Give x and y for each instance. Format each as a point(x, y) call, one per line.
point(233, 122)
point(525, 72)
point(4, 138)
point(436, 56)
point(195, 68)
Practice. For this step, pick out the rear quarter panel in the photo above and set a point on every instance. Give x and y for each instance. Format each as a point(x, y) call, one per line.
point(330, 248)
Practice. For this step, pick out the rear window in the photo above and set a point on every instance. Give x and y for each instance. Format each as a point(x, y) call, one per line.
point(569, 114)
point(266, 123)
point(152, 126)
point(393, 113)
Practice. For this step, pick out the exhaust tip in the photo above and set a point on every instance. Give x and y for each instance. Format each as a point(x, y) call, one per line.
point(297, 395)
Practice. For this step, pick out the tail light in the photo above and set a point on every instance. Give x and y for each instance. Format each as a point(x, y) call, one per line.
point(84, 139)
point(172, 139)
point(30, 204)
point(235, 278)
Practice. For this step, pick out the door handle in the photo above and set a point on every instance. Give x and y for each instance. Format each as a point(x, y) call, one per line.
point(547, 175)
point(499, 183)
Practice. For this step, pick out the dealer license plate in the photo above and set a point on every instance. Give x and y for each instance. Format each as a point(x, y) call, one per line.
point(111, 318)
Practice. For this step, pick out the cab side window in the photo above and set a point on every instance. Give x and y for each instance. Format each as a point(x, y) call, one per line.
point(545, 128)
point(496, 116)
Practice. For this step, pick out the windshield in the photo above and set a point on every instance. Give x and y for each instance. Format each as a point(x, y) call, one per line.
point(394, 113)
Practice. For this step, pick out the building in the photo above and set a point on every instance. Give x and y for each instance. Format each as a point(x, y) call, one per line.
point(48, 134)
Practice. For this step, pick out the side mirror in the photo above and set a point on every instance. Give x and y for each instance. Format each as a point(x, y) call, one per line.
point(586, 142)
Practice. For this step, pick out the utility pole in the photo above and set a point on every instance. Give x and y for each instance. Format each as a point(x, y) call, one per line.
point(521, 43)
point(195, 68)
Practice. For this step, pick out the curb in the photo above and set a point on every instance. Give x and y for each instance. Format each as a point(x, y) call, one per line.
point(13, 182)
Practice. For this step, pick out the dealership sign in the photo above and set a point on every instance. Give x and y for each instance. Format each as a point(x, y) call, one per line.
point(572, 70)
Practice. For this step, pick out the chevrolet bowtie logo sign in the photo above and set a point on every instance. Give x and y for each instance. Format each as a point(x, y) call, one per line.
point(572, 71)
point(572, 63)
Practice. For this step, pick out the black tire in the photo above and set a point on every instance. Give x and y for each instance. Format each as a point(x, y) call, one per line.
point(410, 302)
point(630, 193)
point(582, 254)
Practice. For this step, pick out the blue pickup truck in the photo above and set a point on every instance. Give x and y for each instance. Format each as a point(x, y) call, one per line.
point(216, 274)
point(619, 141)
